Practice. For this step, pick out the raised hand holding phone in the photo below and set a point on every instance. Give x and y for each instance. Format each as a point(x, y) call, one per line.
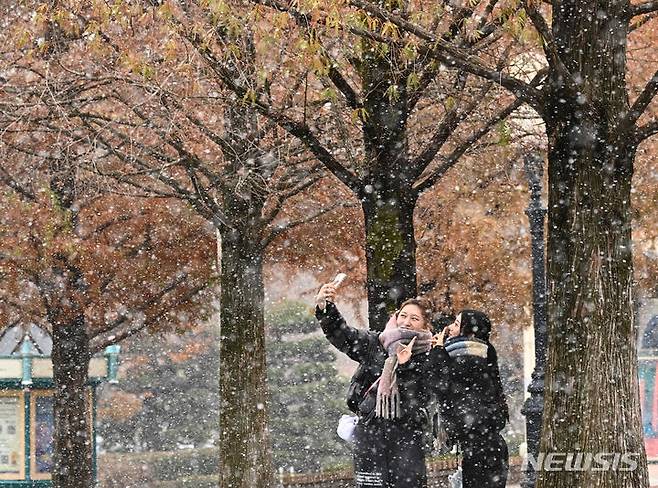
point(327, 292)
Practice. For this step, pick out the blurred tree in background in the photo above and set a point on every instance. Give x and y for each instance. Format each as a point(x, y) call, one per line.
point(307, 395)
point(168, 395)
point(168, 399)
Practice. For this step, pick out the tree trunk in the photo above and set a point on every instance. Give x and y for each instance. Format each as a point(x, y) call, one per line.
point(387, 197)
point(72, 442)
point(390, 253)
point(244, 444)
point(70, 356)
point(592, 359)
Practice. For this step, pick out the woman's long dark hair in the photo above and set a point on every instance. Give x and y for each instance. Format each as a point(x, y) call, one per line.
point(477, 323)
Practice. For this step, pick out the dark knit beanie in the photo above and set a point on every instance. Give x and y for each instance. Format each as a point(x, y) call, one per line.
point(441, 321)
point(475, 322)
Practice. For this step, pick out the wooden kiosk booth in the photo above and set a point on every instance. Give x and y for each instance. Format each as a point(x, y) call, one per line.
point(26, 404)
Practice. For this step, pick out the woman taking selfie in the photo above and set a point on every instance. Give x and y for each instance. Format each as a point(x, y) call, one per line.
point(388, 392)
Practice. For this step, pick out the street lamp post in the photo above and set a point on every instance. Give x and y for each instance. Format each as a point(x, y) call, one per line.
point(534, 405)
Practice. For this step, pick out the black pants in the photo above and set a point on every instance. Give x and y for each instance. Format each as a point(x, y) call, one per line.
point(485, 462)
point(389, 454)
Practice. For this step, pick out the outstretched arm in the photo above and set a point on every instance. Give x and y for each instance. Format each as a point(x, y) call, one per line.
point(350, 340)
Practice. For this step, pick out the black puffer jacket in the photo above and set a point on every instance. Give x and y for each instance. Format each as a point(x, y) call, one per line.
point(364, 347)
point(471, 397)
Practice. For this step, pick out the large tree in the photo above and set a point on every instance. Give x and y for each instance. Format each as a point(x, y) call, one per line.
point(90, 271)
point(385, 119)
point(145, 114)
point(592, 396)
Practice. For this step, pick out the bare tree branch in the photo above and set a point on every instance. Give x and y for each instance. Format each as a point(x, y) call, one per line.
point(122, 318)
point(642, 102)
point(297, 129)
point(147, 192)
point(304, 22)
point(453, 56)
point(221, 141)
point(550, 48)
point(643, 8)
point(280, 229)
point(119, 219)
point(646, 131)
point(452, 159)
point(202, 202)
point(272, 214)
point(8, 180)
point(216, 217)
point(201, 192)
point(452, 120)
point(641, 21)
point(124, 329)
point(453, 31)
point(448, 125)
point(186, 157)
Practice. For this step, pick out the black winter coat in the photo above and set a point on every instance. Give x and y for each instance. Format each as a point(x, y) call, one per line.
point(364, 347)
point(471, 397)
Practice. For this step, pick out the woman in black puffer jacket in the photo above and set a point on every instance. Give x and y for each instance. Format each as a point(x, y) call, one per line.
point(391, 434)
point(471, 399)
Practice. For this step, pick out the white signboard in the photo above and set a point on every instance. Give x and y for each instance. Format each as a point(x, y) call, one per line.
point(11, 435)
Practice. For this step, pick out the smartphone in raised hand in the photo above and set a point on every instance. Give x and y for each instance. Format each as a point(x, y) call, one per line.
point(340, 277)
point(322, 302)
